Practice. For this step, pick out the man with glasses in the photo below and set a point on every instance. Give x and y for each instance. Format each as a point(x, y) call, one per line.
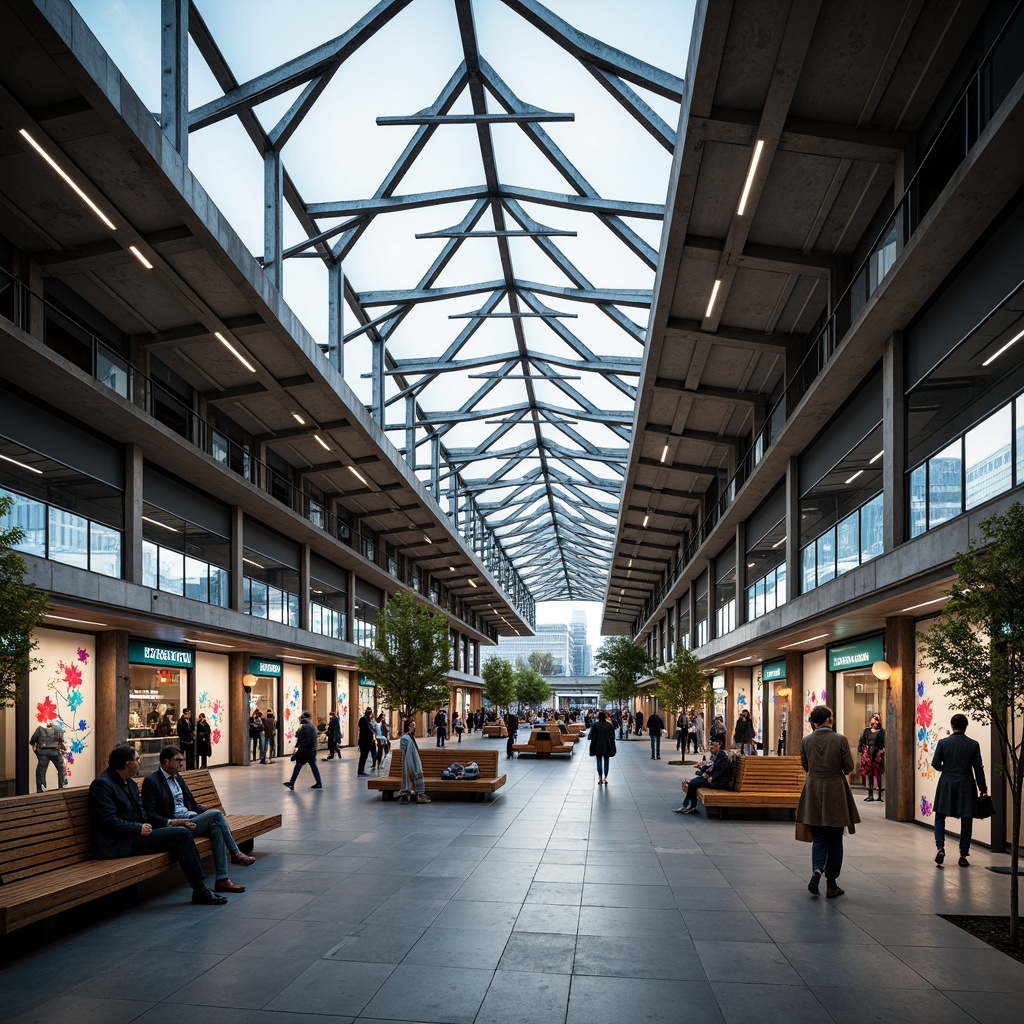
point(120, 827)
point(168, 802)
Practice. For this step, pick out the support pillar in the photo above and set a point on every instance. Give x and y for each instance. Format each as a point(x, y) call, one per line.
point(894, 445)
point(308, 688)
point(273, 220)
point(174, 73)
point(112, 683)
point(238, 708)
point(900, 729)
point(133, 514)
point(336, 316)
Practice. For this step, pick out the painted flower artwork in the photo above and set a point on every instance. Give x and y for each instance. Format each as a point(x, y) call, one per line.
point(213, 708)
point(927, 737)
point(66, 688)
point(926, 807)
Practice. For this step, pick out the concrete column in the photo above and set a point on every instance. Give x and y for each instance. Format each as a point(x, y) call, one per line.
point(377, 371)
point(794, 703)
point(350, 610)
point(900, 729)
point(235, 554)
point(174, 73)
point(304, 587)
point(741, 573)
point(894, 444)
point(238, 708)
point(793, 580)
point(112, 681)
point(132, 550)
point(410, 431)
point(273, 217)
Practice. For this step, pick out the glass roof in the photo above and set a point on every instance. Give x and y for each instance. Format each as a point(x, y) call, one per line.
point(487, 180)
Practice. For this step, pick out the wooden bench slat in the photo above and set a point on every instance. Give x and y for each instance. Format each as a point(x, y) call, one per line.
point(434, 761)
point(760, 783)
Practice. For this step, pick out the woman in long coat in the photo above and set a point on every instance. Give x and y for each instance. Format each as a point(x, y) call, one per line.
point(204, 744)
point(602, 745)
point(826, 803)
point(412, 767)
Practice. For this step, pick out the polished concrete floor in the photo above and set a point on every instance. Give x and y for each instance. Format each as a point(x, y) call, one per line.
point(558, 901)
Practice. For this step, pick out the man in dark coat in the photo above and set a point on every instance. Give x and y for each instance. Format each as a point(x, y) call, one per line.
point(655, 727)
point(120, 827)
point(187, 738)
point(602, 745)
point(715, 777)
point(512, 725)
point(168, 802)
point(959, 760)
point(333, 736)
point(367, 740)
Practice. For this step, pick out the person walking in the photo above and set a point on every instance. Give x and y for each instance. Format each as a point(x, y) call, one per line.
point(268, 741)
point(826, 802)
point(412, 767)
point(512, 725)
point(655, 727)
point(682, 732)
point(698, 732)
point(305, 751)
point(187, 738)
point(743, 735)
point(441, 727)
point(367, 740)
point(204, 741)
point(457, 726)
point(255, 732)
point(602, 745)
point(333, 736)
point(638, 721)
point(871, 747)
point(959, 760)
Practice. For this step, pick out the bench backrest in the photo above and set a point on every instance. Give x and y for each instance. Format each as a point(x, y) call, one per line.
point(435, 760)
point(45, 831)
point(557, 740)
point(769, 772)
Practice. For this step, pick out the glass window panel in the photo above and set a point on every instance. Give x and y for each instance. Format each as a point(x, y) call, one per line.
point(30, 516)
point(293, 610)
point(112, 370)
point(258, 600)
point(918, 501)
point(780, 585)
point(105, 550)
point(945, 495)
point(219, 589)
point(826, 556)
point(871, 527)
point(275, 604)
point(1019, 438)
point(769, 592)
point(808, 568)
point(759, 592)
point(69, 538)
point(197, 580)
point(751, 603)
point(988, 458)
point(246, 596)
point(172, 571)
point(848, 544)
point(150, 565)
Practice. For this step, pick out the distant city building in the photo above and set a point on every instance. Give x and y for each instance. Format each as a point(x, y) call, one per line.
point(555, 639)
point(580, 648)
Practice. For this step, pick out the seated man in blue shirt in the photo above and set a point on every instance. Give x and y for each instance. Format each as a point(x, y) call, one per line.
point(716, 776)
point(169, 802)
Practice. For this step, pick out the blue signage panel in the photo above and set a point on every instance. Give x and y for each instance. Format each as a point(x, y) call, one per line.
point(264, 667)
point(772, 671)
point(152, 652)
point(856, 654)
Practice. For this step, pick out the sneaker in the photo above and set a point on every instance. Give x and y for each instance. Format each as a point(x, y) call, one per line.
point(964, 862)
point(833, 891)
point(813, 886)
point(940, 857)
point(317, 786)
point(289, 785)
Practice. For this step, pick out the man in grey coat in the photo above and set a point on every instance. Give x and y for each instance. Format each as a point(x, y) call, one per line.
point(826, 803)
point(959, 760)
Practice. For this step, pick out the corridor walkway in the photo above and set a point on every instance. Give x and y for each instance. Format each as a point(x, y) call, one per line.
point(560, 901)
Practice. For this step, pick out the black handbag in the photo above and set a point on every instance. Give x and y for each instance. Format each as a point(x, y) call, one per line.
point(983, 807)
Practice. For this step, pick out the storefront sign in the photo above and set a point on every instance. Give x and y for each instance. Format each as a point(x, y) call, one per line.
point(145, 652)
point(718, 682)
point(365, 680)
point(859, 654)
point(772, 671)
point(264, 667)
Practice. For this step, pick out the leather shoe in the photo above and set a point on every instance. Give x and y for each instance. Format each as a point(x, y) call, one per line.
point(226, 885)
point(242, 858)
point(814, 885)
point(833, 891)
point(206, 898)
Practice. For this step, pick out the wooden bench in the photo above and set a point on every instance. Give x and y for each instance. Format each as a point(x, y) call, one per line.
point(46, 857)
point(496, 730)
point(760, 783)
point(434, 761)
point(555, 743)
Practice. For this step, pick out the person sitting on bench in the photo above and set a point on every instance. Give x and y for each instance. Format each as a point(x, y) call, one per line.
point(716, 777)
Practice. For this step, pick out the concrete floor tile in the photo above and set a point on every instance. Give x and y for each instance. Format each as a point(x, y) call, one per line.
point(594, 1000)
point(511, 991)
point(849, 1005)
point(664, 956)
point(341, 987)
point(445, 995)
point(539, 953)
point(743, 1003)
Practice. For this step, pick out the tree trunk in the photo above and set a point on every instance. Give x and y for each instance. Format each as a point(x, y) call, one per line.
point(1015, 856)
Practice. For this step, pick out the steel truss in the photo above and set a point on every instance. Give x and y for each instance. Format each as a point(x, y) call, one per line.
point(540, 510)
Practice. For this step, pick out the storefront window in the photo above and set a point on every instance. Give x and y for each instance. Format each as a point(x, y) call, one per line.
point(156, 696)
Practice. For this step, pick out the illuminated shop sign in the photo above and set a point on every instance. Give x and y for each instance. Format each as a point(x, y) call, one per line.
point(264, 667)
point(858, 654)
point(772, 671)
point(145, 652)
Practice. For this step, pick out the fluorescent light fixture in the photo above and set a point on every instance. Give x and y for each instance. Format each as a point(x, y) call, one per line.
point(427, 539)
point(251, 562)
point(1012, 341)
point(714, 295)
point(875, 458)
point(778, 543)
point(854, 477)
point(213, 643)
point(664, 453)
point(471, 583)
point(298, 419)
point(750, 565)
point(163, 526)
point(31, 469)
point(81, 622)
point(647, 519)
point(631, 563)
point(81, 195)
point(751, 171)
point(820, 636)
point(234, 351)
point(138, 255)
point(738, 660)
point(358, 475)
point(323, 444)
point(924, 604)
point(451, 568)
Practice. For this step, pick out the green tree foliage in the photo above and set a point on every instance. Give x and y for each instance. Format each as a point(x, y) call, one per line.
point(682, 684)
point(412, 658)
point(531, 687)
point(545, 663)
point(22, 608)
point(977, 651)
point(624, 663)
point(499, 682)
